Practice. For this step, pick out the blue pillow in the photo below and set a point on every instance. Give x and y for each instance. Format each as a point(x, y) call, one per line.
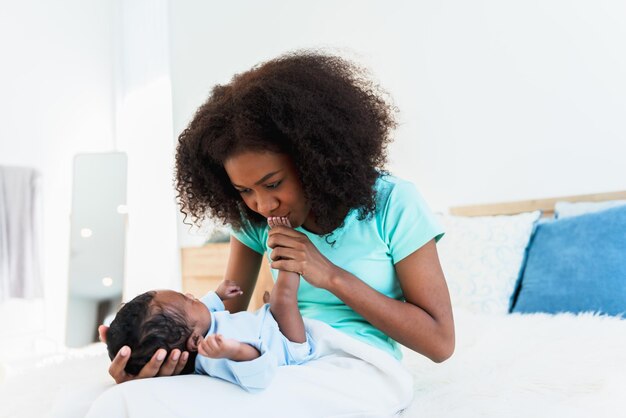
point(576, 265)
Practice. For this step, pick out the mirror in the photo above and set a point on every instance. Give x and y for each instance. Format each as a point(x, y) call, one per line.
point(97, 243)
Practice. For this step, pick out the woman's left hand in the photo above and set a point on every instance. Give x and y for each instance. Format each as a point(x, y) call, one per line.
point(293, 251)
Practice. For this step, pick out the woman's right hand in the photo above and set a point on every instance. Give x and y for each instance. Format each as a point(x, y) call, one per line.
point(157, 366)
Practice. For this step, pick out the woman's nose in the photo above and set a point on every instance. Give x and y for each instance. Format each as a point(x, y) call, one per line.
point(266, 205)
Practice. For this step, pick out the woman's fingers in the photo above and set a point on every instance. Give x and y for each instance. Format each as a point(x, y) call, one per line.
point(285, 240)
point(151, 369)
point(169, 365)
point(184, 357)
point(287, 265)
point(284, 230)
point(157, 366)
point(116, 369)
point(284, 253)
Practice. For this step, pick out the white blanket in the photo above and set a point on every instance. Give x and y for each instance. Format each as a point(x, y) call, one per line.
point(531, 365)
point(540, 366)
point(350, 379)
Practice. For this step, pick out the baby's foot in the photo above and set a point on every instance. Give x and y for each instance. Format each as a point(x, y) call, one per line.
point(282, 221)
point(278, 221)
point(285, 222)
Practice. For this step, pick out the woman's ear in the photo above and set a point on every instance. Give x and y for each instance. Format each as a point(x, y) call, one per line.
point(193, 341)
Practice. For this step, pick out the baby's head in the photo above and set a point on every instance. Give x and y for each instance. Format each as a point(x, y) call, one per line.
point(158, 319)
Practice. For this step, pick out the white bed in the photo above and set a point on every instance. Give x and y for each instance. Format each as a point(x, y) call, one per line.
point(513, 365)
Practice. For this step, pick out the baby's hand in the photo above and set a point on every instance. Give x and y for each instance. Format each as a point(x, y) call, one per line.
point(228, 289)
point(216, 346)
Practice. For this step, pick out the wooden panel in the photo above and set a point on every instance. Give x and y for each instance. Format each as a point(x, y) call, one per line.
point(203, 269)
point(200, 285)
point(545, 205)
point(207, 260)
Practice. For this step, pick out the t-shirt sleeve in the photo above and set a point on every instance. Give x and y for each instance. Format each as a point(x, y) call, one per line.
point(251, 236)
point(408, 222)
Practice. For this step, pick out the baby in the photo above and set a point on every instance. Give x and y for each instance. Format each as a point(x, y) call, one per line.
point(244, 348)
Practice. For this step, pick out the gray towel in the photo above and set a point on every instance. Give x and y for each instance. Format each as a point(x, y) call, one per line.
point(20, 224)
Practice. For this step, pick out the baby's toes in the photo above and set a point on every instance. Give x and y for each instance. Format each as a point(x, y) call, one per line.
point(270, 222)
point(285, 222)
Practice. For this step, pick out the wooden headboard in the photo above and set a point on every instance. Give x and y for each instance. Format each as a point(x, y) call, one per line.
point(545, 205)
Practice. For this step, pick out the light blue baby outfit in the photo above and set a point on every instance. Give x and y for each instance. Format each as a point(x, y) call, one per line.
point(260, 330)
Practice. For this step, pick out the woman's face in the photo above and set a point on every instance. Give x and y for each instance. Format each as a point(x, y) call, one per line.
point(269, 185)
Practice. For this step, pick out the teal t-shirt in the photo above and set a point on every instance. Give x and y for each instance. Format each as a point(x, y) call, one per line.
point(368, 249)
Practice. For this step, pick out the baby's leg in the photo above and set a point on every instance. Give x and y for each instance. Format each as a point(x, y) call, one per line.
point(284, 298)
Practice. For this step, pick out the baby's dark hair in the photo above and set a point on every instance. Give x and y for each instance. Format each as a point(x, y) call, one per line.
point(145, 326)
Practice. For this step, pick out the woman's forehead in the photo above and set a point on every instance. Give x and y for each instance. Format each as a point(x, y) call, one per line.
point(251, 167)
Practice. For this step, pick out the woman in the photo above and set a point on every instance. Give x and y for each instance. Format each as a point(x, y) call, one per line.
point(305, 136)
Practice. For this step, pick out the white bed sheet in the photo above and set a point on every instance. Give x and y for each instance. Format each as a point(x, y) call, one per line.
point(349, 379)
point(58, 385)
point(535, 365)
point(511, 365)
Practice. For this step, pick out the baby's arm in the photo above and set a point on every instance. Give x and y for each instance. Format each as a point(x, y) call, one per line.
point(228, 289)
point(216, 346)
point(253, 375)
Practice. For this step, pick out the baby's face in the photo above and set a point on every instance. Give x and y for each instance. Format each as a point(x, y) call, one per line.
point(197, 314)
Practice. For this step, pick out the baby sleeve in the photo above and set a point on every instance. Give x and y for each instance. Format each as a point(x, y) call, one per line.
point(213, 302)
point(253, 376)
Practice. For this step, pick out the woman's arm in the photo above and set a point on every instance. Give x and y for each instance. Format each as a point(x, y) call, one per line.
point(243, 268)
point(424, 323)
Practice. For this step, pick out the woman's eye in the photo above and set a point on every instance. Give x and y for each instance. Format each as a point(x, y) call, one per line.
point(269, 186)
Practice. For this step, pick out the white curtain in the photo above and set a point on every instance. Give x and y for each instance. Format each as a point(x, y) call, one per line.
point(20, 224)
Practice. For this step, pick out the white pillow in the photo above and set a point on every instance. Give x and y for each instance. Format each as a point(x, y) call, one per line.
point(569, 209)
point(482, 257)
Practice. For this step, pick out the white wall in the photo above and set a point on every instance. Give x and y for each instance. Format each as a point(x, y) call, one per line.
point(518, 100)
point(144, 131)
point(56, 80)
point(92, 77)
point(499, 100)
